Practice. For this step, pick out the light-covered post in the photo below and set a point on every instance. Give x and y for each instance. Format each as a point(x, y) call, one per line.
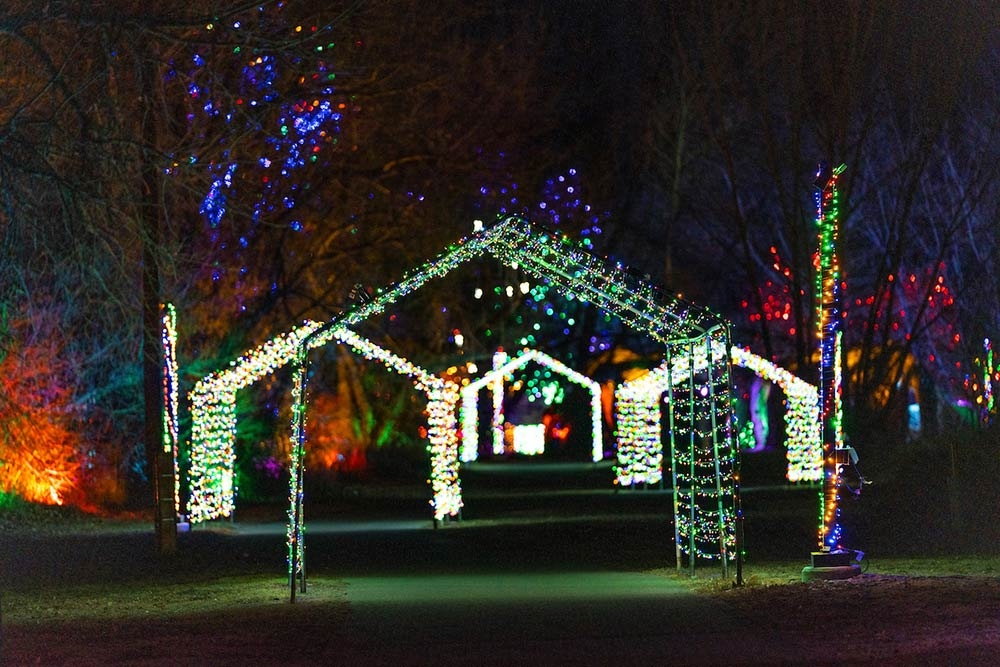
point(296, 546)
point(831, 561)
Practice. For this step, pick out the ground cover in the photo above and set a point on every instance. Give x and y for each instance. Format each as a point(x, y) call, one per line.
point(85, 590)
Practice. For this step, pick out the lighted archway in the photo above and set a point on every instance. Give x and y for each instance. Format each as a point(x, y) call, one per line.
point(803, 433)
point(442, 427)
point(564, 265)
point(213, 422)
point(213, 417)
point(495, 379)
point(638, 435)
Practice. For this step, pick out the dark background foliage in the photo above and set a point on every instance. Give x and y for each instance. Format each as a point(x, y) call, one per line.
point(254, 163)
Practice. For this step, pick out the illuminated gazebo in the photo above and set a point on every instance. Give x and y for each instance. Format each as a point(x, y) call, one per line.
point(704, 435)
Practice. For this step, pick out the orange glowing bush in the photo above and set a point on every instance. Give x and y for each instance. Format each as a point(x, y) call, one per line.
point(334, 441)
point(38, 442)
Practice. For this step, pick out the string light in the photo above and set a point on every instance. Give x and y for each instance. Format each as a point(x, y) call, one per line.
point(639, 441)
point(829, 335)
point(803, 443)
point(708, 516)
point(503, 367)
point(171, 437)
point(213, 422)
point(981, 386)
point(442, 427)
point(988, 378)
point(213, 417)
point(295, 533)
point(497, 417)
point(695, 380)
point(302, 127)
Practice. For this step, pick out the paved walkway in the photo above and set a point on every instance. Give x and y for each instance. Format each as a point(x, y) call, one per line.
point(579, 618)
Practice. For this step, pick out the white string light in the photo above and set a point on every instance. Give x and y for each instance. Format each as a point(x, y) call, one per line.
point(171, 438)
point(551, 259)
point(494, 380)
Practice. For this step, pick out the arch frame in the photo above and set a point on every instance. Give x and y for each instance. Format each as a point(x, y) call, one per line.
point(516, 243)
point(469, 411)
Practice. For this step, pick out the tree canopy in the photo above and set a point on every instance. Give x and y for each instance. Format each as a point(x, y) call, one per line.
point(255, 162)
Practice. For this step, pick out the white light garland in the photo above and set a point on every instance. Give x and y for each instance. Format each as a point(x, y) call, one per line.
point(555, 261)
point(502, 367)
point(803, 435)
point(639, 443)
point(171, 439)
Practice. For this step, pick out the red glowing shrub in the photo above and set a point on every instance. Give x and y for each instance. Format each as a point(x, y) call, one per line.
point(38, 439)
point(335, 443)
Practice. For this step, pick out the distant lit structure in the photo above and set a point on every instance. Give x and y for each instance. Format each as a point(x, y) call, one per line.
point(494, 381)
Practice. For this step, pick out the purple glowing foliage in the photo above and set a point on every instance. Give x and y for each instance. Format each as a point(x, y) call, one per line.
point(304, 122)
point(560, 201)
point(213, 207)
point(303, 128)
point(260, 76)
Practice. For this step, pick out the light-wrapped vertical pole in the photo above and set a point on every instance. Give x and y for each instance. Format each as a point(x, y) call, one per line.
point(296, 530)
point(828, 328)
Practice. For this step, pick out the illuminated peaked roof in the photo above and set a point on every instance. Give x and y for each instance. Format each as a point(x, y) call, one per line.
point(513, 242)
point(556, 260)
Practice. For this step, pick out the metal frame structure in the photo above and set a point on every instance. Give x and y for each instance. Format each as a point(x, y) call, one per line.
point(708, 445)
